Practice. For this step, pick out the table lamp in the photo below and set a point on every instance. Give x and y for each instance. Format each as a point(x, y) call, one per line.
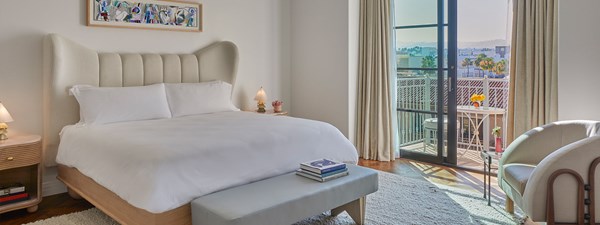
point(4, 118)
point(261, 97)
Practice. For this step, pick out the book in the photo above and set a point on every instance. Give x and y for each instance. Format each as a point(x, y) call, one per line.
point(325, 174)
point(321, 179)
point(11, 189)
point(17, 197)
point(14, 201)
point(322, 166)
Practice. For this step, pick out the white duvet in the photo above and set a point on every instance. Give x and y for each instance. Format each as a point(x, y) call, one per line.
point(159, 165)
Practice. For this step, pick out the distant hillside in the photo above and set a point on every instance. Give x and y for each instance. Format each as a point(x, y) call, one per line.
point(480, 44)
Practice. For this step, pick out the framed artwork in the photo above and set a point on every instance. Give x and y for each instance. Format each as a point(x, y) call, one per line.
point(145, 14)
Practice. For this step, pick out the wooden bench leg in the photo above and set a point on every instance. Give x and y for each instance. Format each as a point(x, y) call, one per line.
point(356, 210)
point(509, 205)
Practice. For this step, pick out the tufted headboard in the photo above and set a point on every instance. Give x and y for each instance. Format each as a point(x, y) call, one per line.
point(67, 63)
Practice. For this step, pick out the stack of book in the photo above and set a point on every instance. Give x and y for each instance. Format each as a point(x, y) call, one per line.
point(322, 170)
point(12, 193)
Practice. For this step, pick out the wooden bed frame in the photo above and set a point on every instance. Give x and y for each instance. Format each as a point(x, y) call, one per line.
point(81, 186)
point(67, 63)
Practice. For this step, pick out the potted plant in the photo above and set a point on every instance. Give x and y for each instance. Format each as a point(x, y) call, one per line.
point(497, 134)
point(477, 100)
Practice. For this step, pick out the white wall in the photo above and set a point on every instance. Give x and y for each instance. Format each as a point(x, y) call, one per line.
point(353, 42)
point(260, 28)
point(578, 47)
point(324, 40)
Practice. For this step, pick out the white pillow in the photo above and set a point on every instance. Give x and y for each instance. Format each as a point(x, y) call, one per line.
point(102, 105)
point(199, 98)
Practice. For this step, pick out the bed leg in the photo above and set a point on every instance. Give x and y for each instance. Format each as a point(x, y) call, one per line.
point(73, 194)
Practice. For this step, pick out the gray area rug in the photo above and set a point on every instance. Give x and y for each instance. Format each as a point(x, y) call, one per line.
point(400, 200)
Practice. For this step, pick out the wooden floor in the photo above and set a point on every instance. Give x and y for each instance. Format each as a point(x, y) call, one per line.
point(62, 204)
point(467, 156)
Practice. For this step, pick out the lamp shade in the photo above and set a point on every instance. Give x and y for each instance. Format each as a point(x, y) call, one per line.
point(261, 96)
point(4, 115)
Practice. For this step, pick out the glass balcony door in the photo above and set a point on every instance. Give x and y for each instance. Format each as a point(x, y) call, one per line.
point(426, 70)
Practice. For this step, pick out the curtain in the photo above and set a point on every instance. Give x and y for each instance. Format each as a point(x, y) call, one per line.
point(374, 129)
point(533, 95)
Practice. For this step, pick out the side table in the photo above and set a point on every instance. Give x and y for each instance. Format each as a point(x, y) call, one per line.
point(272, 113)
point(489, 157)
point(21, 162)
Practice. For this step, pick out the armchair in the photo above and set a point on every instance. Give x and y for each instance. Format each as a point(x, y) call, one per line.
point(545, 172)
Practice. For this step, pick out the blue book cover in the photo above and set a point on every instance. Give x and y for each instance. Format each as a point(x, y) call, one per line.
point(322, 166)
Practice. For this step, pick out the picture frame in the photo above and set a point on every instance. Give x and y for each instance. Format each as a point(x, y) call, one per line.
point(145, 14)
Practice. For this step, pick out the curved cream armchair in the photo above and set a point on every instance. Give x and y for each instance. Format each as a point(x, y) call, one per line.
point(530, 161)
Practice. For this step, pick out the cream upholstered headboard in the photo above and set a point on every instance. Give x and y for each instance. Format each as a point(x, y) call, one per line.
point(67, 63)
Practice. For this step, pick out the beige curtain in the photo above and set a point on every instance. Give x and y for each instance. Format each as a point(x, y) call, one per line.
point(374, 131)
point(533, 97)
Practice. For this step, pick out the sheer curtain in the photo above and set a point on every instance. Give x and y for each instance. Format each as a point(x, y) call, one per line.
point(533, 95)
point(375, 135)
point(394, 82)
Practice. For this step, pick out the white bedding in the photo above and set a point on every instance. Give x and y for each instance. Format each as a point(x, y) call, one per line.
point(159, 165)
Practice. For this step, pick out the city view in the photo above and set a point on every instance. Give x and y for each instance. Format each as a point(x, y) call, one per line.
point(488, 58)
point(483, 66)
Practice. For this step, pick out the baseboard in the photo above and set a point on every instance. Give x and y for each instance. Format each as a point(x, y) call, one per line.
point(50, 184)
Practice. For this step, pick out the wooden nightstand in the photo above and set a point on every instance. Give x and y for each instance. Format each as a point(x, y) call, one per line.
point(270, 112)
point(21, 162)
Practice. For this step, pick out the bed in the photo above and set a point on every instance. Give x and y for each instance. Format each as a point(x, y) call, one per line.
point(147, 172)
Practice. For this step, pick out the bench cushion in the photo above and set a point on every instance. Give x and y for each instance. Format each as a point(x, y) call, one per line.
point(283, 199)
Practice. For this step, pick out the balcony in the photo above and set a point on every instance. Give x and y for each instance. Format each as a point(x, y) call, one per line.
point(419, 93)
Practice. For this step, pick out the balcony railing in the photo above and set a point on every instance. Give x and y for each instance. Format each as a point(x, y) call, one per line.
point(419, 94)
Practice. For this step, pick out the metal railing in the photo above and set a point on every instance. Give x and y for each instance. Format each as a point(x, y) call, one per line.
point(416, 95)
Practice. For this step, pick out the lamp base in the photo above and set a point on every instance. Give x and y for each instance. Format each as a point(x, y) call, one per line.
point(261, 108)
point(3, 131)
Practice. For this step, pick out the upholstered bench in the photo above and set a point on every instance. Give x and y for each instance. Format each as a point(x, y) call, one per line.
point(286, 199)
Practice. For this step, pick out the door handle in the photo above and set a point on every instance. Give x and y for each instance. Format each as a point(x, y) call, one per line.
point(450, 84)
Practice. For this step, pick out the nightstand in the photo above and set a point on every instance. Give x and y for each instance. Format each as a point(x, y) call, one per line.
point(21, 162)
point(270, 112)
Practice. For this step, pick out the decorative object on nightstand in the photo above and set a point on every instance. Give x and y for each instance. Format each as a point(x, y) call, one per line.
point(261, 98)
point(21, 172)
point(277, 106)
point(4, 118)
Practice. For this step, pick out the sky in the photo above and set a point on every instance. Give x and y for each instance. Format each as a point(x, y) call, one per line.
point(478, 20)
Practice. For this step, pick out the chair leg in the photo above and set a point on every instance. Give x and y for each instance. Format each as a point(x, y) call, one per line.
point(509, 205)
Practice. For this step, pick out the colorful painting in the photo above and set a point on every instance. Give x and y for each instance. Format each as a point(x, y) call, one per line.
point(169, 15)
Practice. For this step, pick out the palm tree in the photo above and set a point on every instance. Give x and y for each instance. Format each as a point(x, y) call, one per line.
point(487, 64)
point(467, 62)
point(428, 62)
point(500, 67)
point(478, 60)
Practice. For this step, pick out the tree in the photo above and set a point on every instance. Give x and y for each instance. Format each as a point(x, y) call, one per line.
point(487, 64)
point(500, 67)
point(467, 62)
point(478, 60)
point(429, 62)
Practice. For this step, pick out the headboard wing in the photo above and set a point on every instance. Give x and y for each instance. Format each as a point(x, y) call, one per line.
point(67, 63)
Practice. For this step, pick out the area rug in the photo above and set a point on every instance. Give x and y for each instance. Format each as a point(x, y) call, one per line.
point(400, 200)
